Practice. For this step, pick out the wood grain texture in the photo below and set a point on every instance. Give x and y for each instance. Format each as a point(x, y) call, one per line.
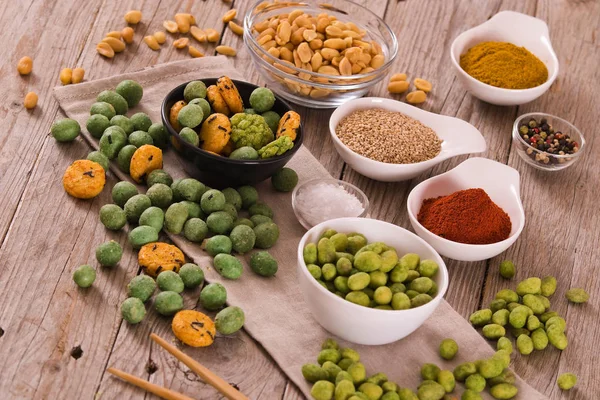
point(44, 316)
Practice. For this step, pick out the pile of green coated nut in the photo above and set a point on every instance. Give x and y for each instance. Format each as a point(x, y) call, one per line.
point(370, 274)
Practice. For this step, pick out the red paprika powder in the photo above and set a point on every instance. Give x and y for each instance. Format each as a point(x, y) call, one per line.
point(467, 216)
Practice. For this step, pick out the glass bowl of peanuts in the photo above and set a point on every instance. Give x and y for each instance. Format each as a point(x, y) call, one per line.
point(319, 55)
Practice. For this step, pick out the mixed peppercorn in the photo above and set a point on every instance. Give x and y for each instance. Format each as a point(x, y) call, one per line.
point(542, 137)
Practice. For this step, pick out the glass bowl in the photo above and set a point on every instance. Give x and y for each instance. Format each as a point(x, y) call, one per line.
point(328, 208)
point(541, 159)
point(299, 84)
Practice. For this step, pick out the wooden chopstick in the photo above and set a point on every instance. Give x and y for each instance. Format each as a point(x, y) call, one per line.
point(160, 391)
point(209, 377)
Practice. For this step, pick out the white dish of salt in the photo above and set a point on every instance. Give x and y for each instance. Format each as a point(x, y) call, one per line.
point(320, 200)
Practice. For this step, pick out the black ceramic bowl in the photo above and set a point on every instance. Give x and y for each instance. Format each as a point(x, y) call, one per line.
point(218, 171)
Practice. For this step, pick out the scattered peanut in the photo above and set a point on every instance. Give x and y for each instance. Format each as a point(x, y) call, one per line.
point(226, 51)
point(423, 85)
point(116, 44)
point(212, 35)
point(151, 42)
point(105, 50)
point(127, 34)
point(181, 43)
point(30, 100)
point(160, 37)
point(133, 17)
point(194, 52)
point(198, 34)
point(183, 22)
point(66, 75)
point(78, 74)
point(170, 26)
point(398, 77)
point(235, 28)
point(25, 65)
point(229, 15)
point(398, 86)
point(115, 34)
point(416, 97)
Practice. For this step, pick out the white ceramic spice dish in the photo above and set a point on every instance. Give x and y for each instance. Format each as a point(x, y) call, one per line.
point(512, 27)
point(499, 181)
point(364, 325)
point(459, 137)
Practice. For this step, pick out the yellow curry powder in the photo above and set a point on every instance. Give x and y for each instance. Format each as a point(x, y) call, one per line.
point(504, 65)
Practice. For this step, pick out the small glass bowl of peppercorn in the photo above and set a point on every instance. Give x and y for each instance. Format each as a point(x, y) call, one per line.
point(547, 142)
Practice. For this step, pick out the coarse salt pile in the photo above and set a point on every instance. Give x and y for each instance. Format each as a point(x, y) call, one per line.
point(324, 201)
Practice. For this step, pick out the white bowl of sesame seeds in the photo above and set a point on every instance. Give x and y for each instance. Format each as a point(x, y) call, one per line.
point(392, 148)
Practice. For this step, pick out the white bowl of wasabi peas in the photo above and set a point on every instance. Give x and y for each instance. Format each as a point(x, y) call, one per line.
point(356, 323)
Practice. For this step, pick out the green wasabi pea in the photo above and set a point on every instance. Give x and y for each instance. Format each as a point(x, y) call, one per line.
point(490, 368)
point(339, 241)
point(497, 304)
point(547, 315)
point(332, 370)
point(194, 210)
point(343, 267)
point(412, 294)
point(135, 206)
point(359, 298)
point(344, 364)
point(397, 288)
point(371, 390)
point(190, 116)
point(577, 295)
point(261, 209)
point(548, 286)
point(378, 279)
point(310, 253)
point(344, 389)
point(355, 243)
point(170, 281)
point(314, 373)
point(502, 356)
point(244, 153)
point(96, 124)
point(507, 376)
point(218, 244)
point(518, 316)
point(65, 130)
point(189, 135)
point(175, 218)
point(112, 217)
point(534, 303)
point(272, 119)
point(228, 266)
point(566, 381)
point(529, 286)
point(133, 310)
point(242, 238)
point(159, 176)
point(399, 273)
point(504, 344)
point(390, 386)
point(141, 287)
point(400, 301)
point(191, 275)
point(131, 91)
point(330, 343)
point(448, 349)
point(524, 344)
point(383, 295)
point(557, 322)
point(212, 200)
point(140, 138)
point(329, 354)
point(233, 198)
point(141, 121)
point(266, 235)
point(329, 272)
point(194, 90)
point(142, 235)
point(103, 108)
point(533, 323)
point(470, 395)
point(220, 222)
point(428, 268)
point(263, 264)
point(511, 306)
point(446, 379)
point(154, 217)
point(493, 331)
point(84, 276)
point(430, 371)
point(322, 390)
point(260, 219)
point(115, 99)
point(367, 261)
point(160, 195)
point(124, 123)
point(391, 395)
point(350, 354)
point(500, 317)
point(407, 394)
point(249, 196)
point(109, 254)
point(539, 338)
point(507, 269)
point(389, 259)
point(411, 261)
point(359, 281)
point(285, 180)
point(123, 191)
point(100, 158)
point(475, 382)
point(112, 141)
point(213, 296)
point(205, 105)
point(262, 99)
point(229, 320)
point(314, 270)
point(124, 157)
point(481, 317)
point(509, 296)
point(168, 303)
point(188, 189)
point(159, 134)
point(358, 372)
point(430, 390)
point(195, 230)
point(462, 371)
point(421, 285)
point(504, 391)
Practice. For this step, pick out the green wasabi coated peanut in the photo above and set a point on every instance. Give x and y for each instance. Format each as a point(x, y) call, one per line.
point(141, 121)
point(191, 275)
point(503, 356)
point(84, 276)
point(194, 90)
point(135, 206)
point(232, 197)
point(343, 267)
point(400, 301)
point(397, 287)
point(577, 295)
point(566, 381)
point(131, 91)
point(112, 141)
point(154, 217)
point(228, 266)
point(142, 287)
point(322, 390)
point(536, 305)
point(160, 195)
point(142, 235)
point(343, 375)
point(168, 303)
point(428, 268)
point(557, 337)
point(123, 191)
point(493, 331)
point(410, 261)
point(533, 323)
point(344, 389)
point(350, 354)
point(430, 371)
point(359, 298)
point(504, 343)
point(113, 217)
point(504, 391)
point(509, 296)
point(399, 273)
point(219, 244)
point(411, 276)
point(446, 379)
point(263, 264)
point(421, 285)
point(328, 272)
point(419, 300)
point(430, 390)
point(260, 219)
point(371, 390)
point(390, 396)
point(133, 310)
point(475, 382)
point(539, 339)
point(109, 253)
point(559, 323)
point(511, 306)
point(195, 230)
point(220, 222)
point(340, 241)
point(378, 378)
point(389, 259)
point(332, 355)
point(497, 304)
point(124, 157)
point(122, 122)
point(500, 317)
point(355, 243)
point(481, 317)
point(518, 316)
point(330, 343)
point(367, 261)
point(548, 286)
point(332, 370)
point(65, 130)
point(140, 138)
point(544, 300)
point(314, 270)
point(507, 269)
point(531, 285)
point(170, 281)
point(342, 254)
point(357, 372)
point(100, 158)
point(344, 364)
point(470, 395)
point(358, 281)
point(310, 253)
point(189, 189)
point(490, 367)
point(341, 284)
point(377, 279)
point(194, 210)
point(412, 293)
point(325, 251)
point(507, 376)
point(382, 295)
point(407, 394)
point(96, 124)
point(213, 296)
point(314, 373)
point(524, 345)
point(175, 218)
point(390, 386)
point(448, 349)
point(103, 108)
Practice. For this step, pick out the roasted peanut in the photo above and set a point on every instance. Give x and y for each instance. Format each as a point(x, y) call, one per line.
point(183, 22)
point(345, 67)
point(170, 26)
point(229, 15)
point(316, 44)
point(337, 44)
point(423, 85)
point(115, 34)
point(160, 37)
point(286, 54)
point(329, 70)
point(127, 34)
point(30, 100)
point(398, 87)
point(304, 52)
point(116, 44)
point(198, 34)
point(77, 76)
point(316, 61)
point(151, 42)
point(25, 65)
point(416, 97)
point(309, 35)
point(377, 61)
point(235, 28)
point(105, 50)
point(294, 14)
point(212, 35)
point(328, 53)
point(66, 75)
point(265, 39)
point(226, 51)
point(284, 32)
point(398, 77)
point(274, 51)
point(181, 43)
point(194, 52)
point(133, 17)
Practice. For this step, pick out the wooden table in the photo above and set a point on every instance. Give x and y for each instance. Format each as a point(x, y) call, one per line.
point(44, 318)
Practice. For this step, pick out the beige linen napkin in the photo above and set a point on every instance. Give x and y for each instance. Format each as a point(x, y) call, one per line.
point(276, 315)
